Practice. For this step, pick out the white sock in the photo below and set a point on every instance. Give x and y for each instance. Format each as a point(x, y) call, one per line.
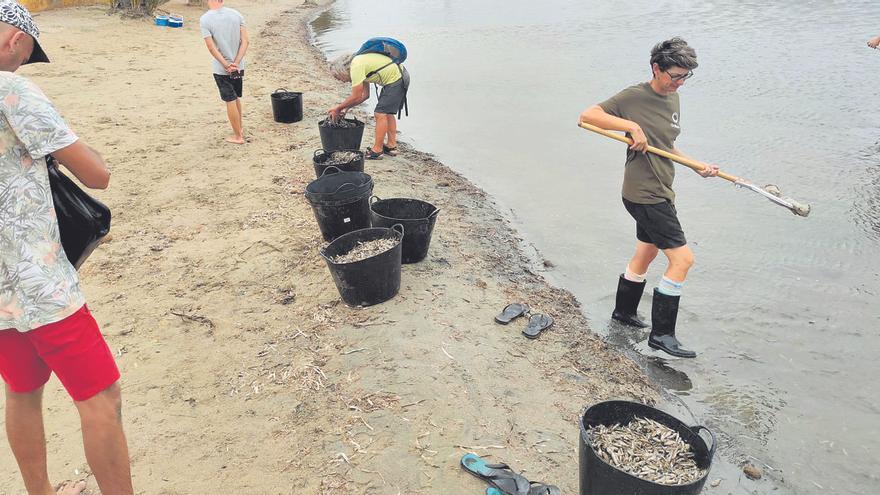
point(632, 276)
point(670, 287)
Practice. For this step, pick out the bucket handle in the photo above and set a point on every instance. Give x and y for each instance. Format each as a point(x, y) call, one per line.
point(697, 430)
point(281, 90)
point(434, 213)
point(328, 168)
point(397, 227)
point(343, 188)
point(375, 198)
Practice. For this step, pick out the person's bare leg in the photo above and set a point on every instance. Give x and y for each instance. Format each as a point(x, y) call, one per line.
point(681, 259)
point(392, 131)
point(27, 438)
point(104, 440)
point(235, 121)
point(240, 116)
point(644, 255)
point(381, 130)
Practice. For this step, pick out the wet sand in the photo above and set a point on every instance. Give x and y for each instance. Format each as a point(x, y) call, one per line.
point(242, 370)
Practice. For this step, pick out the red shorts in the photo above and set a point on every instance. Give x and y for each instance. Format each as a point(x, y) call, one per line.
point(72, 348)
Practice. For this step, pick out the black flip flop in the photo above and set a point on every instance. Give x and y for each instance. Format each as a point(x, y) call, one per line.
point(369, 154)
point(537, 323)
point(511, 311)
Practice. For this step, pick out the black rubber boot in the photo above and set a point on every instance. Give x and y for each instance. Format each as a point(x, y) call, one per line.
point(664, 312)
point(629, 294)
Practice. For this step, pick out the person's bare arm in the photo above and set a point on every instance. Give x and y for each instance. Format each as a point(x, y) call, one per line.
point(599, 118)
point(85, 164)
point(212, 47)
point(710, 170)
point(242, 48)
point(359, 94)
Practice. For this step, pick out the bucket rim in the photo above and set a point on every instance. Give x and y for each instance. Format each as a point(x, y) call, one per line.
point(398, 236)
point(693, 429)
point(431, 216)
point(349, 119)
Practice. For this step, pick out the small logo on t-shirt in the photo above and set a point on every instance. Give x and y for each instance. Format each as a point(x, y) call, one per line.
point(674, 122)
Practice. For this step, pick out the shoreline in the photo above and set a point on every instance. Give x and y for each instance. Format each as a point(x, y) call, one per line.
point(235, 351)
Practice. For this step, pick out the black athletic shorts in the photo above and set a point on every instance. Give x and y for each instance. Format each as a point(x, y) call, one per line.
point(657, 224)
point(230, 88)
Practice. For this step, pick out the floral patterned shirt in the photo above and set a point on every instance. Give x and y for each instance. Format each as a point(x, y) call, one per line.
point(38, 285)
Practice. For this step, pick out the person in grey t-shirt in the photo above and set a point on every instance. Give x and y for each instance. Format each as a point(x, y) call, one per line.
point(227, 39)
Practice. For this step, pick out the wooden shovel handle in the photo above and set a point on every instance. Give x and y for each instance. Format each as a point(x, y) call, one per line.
point(687, 162)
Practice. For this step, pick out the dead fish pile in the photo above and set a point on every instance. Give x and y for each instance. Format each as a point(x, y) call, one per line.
point(341, 158)
point(648, 450)
point(365, 250)
point(339, 124)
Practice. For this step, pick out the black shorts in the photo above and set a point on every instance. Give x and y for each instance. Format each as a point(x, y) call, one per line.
point(657, 224)
point(230, 89)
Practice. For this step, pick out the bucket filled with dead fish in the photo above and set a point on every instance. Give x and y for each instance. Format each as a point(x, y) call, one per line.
point(365, 264)
point(344, 160)
point(634, 449)
point(341, 134)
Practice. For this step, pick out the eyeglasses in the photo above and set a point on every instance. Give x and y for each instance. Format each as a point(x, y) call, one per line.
point(680, 77)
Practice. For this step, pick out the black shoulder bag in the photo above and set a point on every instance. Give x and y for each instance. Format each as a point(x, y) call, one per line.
point(82, 220)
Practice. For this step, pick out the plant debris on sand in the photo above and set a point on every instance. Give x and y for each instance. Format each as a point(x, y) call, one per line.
point(648, 450)
point(365, 250)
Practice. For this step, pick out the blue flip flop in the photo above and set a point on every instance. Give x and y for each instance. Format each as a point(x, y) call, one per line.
point(504, 479)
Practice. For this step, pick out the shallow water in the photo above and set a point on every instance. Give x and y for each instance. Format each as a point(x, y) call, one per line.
point(783, 310)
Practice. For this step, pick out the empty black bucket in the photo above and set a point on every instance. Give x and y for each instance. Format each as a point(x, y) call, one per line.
point(287, 106)
point(341, 137)
point(597, 477)
point(369, 281)
point(340, 201)
point(355, 164)
point(417, 217)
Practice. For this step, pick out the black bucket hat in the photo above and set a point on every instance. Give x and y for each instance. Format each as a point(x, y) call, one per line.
point(15, 15)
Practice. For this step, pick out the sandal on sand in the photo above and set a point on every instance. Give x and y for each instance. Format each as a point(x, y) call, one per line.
point(534, 489)
point(498, 475)
point(372, 155)
point(537, 323)
point(389, 150)
point(511, 311)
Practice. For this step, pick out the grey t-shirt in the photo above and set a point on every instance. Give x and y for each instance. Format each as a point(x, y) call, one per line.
point(647, 178)
point(224, 25)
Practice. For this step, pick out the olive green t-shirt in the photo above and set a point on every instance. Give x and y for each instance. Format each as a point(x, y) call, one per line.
point(647, 178)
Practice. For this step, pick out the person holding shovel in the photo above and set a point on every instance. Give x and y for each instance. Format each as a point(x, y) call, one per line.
point(649, 113)
point(361, 70)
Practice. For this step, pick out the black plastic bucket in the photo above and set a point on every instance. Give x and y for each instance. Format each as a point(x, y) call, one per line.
point(597, 477)
point(341, 138)
point(416, 216)
point(369, 281)
point(287, 106)
point(340, 201)
point(321, 157)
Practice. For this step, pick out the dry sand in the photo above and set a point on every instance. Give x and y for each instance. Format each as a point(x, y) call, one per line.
point(242, 371)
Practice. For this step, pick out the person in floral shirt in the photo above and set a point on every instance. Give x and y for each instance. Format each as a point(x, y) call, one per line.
point(45, 325)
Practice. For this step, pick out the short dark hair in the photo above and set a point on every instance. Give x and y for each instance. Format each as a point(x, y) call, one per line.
point(674, 52)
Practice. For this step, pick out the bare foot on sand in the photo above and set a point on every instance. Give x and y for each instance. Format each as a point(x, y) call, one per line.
point(71, 488)
point(235, 140)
